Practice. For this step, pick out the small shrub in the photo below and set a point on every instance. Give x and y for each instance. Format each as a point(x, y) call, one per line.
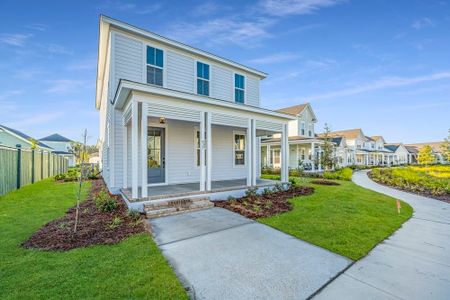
point(267, 191)
point(116, 222)
point(251, 192)
point(105, 202)
point(292, 181)
point(231, 198)
point(341, 174)
point(134, 215)
point(278, 187)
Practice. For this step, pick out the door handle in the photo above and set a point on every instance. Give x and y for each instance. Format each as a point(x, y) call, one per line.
point(164, 162)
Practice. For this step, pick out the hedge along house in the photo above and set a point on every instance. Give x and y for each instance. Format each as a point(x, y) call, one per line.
point(176, 120)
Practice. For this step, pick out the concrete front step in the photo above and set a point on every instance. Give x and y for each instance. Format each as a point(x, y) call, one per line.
point(172, 207)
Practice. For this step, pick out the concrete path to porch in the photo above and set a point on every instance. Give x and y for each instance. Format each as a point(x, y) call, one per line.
point(221, 255)
point(414, 263)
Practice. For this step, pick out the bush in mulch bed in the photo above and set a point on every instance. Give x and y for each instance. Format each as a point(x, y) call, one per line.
point(325, 182)
point(96, 225)
point(268, 204)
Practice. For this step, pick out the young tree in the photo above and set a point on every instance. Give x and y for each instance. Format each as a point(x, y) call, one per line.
point(425, 155)
point(445, 148)
point(80, 179)
point(34, 143)
point(327, 159)
point(80, 152)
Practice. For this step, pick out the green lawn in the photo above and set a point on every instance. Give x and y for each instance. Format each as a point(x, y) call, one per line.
point(133, 268)
point(345, 219)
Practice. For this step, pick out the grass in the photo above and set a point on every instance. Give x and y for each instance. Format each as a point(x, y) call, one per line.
point(341, 174)
point(433, 180)
point(345, 219)
point(133, 268)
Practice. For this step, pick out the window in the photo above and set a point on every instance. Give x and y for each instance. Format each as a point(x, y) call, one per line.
point(302, 128)
point(302, 151)
point(239, 149)
point(239, 88)
point(310, 131)
point(155, 66)
point(276, 157)
point(202, 79)
point(197, 148)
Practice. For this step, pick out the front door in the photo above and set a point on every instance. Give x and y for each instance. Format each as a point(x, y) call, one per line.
point(156, 155)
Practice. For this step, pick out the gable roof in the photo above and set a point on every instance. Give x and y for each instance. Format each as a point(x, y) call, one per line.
point(392, 147)
point(348, 133)
point(434, 145)
point(295, 110)
point(106, 23)
point(412, 149)
point(23, 136)
point(377, 138)
point(55, 138)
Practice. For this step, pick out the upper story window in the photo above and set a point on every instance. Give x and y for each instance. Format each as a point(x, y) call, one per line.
point(302, 128)
point(202, 79)
point(311, 130)
point(239, 88)
point(155, 64)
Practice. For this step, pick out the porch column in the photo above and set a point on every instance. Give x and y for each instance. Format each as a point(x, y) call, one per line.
point(253, 153)
point(248, 152)
point(319, 156)
point(125, 157)
point(202, 152)
point(284, 154)
point(313, 167)
point(134, 150)
point(296, 156)
point(144, 163)
point(268, 155)
point(208, 151)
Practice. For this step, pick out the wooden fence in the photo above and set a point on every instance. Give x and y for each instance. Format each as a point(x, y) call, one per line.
point(20, 167)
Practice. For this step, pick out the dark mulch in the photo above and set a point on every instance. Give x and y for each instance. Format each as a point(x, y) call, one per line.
point(94, 227)
point(261, 206)
point(444, 198)
point(325, 182)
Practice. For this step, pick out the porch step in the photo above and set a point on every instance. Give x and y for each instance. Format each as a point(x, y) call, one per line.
point(171, 207)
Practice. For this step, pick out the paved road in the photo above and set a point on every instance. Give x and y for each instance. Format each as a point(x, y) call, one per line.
point(414, 263)
point(222, 255)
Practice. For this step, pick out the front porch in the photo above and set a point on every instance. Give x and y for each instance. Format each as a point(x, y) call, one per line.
point(192, 189)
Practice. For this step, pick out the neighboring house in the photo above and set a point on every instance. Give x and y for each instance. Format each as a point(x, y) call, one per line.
point(61, 146)
point(177, 116)
point(344, 155)
point(435, 146)
point(401, 153)
point(94, 158)
point(362, 149)
point(11, 138)
point(304, 148)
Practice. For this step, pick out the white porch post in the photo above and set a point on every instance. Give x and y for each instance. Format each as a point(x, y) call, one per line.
point(202, 152)
point(284, 154)
point(208, 151)
point(253, 153)
point(319, 156)
point(144, 136)
point(296, 156)
point(248, 152)
point(313, 167)
point(268, 155)
point(125, 157)
point(134, 149)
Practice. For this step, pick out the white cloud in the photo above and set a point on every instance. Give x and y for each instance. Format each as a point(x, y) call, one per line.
point(34, 118)
point(16, 39)
point(37, 26)
point(274, 58)
point(422, 23)
point(208, 8)
point(295, 7)
point(57, 49)
point(124, 6)
point(247, 34)
point(61, 86)
point(383, 83)
point(27, 73)
point(8, 94)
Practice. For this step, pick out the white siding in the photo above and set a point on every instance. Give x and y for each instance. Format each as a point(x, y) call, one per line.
point(129, 165)
point(180, 72)
point(118, 149)
point(127, 60)
point(252, 90)
point(222, 83)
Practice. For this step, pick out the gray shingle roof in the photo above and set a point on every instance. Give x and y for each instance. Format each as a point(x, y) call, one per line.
point(55, 138)
point(24, 136)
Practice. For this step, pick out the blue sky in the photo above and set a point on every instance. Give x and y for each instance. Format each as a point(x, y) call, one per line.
point(383, 66)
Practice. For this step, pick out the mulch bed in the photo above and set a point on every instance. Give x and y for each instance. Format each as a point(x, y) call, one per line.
point(261, 206)
point(443, 198)
point(325, 182)
point(94, 227)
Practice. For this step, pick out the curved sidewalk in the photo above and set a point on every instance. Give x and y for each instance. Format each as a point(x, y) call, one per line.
point(414, 263)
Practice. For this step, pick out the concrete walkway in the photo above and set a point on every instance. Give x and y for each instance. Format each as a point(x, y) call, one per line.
point(221, 255)
point(414, 263)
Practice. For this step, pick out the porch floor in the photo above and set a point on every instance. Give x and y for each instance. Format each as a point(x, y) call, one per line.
point(186, 189)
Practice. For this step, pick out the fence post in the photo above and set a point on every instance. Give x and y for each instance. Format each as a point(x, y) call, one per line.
point(19, 165)
point(42, 164)
point(32, 166)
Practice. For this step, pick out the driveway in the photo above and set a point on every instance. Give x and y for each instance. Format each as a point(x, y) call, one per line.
point(414, 263)
point(221, 255)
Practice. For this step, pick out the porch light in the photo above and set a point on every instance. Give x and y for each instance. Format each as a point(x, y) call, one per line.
point(162, 120)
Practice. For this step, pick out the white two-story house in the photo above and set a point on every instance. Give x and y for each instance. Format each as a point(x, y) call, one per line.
point(304, 147)
point(176, 118)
